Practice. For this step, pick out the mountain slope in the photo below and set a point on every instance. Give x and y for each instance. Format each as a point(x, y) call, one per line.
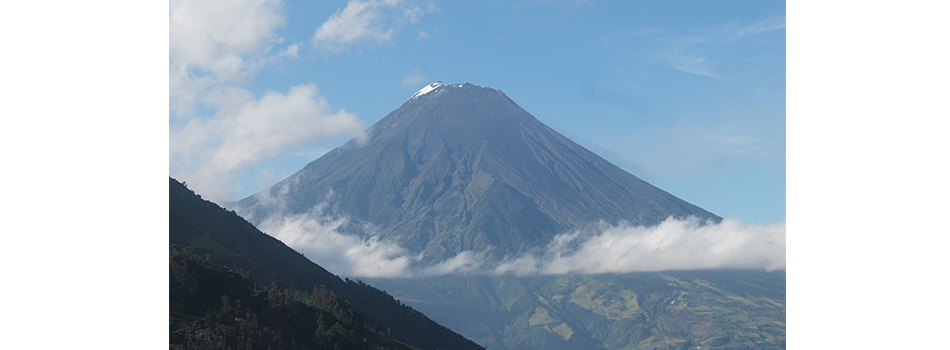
point(213, 307)
point(462, 167)
point(230, 241)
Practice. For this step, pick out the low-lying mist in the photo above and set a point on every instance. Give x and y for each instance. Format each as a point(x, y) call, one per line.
point(672, 245)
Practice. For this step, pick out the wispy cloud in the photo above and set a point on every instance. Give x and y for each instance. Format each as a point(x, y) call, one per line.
point(413, 78)
point(767, 25)
point(290, 51)
point(368, 23)
point(727, 139)
point(688, 63)
point(699, 51)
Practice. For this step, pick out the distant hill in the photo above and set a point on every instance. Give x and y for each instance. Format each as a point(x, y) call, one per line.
point(230, 241)
point(708, 310)
point(464, 168)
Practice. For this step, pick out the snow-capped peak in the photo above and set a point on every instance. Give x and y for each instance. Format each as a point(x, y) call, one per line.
point(429, 88)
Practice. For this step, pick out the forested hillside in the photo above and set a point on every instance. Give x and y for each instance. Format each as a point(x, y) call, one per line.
point(228, 240)
point(213, 307)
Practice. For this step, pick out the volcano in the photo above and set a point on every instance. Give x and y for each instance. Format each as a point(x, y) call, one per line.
point(461, 168)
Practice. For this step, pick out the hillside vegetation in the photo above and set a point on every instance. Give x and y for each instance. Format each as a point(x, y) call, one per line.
point(228, 240)
point(716, 309)
point(212, 307)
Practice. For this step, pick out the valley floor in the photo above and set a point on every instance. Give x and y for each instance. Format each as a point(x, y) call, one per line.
point(710, 309)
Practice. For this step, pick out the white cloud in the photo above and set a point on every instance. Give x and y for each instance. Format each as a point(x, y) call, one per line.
point(466, 262)
point(414, 78)
point(319, 239)
point(218, 127)
point(290, 51)
point(423, 35)
point(365, 22)
point(673, 244)
point(413, 14)
point(209, 151)
point(185, 89)
point(207, 33)
point(214, 43)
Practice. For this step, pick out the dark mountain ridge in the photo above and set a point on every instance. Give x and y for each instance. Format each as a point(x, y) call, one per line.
point(228, 240)
point(464, 168)
point(213, 307)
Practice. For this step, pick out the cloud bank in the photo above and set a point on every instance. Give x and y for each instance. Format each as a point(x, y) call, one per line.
point(672, 245)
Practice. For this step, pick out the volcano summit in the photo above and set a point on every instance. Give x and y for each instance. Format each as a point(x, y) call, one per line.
point(461, 168)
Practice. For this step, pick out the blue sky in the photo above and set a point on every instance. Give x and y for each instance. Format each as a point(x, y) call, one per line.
point(689, 96)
